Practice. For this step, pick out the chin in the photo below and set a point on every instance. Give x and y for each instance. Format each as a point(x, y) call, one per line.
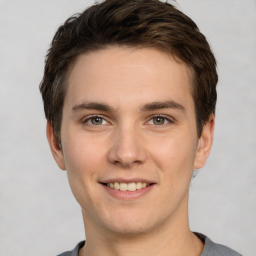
point(130, 229)
point(130, 224)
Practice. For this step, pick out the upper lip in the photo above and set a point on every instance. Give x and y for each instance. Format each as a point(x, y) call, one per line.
point(124, 180)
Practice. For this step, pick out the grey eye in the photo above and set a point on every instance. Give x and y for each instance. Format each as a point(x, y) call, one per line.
point(96, 120)
point(158, 120)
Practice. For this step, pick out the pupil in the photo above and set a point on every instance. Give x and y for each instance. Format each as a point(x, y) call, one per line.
point(159, 120)
point(97, 120)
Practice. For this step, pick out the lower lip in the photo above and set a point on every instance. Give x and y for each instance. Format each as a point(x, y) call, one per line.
point(128, 195)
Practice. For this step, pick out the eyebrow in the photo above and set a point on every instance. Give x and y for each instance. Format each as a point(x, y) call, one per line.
point(93, 105)
point(147, 107)
point(162, 105)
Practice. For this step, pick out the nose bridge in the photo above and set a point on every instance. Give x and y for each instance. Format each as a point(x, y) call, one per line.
point(127, 146)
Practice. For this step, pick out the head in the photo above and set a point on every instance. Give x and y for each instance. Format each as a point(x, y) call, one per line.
point(129, 95)
point(139, 24)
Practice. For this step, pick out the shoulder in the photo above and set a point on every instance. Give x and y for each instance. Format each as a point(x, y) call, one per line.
point(210, 248)
point(213, 249)
point(74, 252)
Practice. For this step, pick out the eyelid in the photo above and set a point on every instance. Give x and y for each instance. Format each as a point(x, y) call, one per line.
point(89, 117)
point(170, 120)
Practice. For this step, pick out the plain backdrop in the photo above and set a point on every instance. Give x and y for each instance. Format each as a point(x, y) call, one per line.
point(38, 214)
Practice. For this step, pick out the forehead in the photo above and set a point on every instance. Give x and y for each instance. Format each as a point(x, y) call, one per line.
point(116, 74)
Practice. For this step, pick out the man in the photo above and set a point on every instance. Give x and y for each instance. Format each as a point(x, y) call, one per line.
point(129, 93)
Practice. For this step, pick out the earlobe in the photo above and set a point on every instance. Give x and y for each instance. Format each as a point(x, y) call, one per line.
point(55, 148)
point(204, 143)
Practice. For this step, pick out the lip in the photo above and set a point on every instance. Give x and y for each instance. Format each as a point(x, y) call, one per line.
point(126, 180)
point(127, 195)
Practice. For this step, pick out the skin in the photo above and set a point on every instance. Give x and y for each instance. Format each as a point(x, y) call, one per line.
point(144, 129)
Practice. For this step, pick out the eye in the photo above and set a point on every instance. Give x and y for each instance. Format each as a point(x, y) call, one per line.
point(159, 120)
point(95, 120)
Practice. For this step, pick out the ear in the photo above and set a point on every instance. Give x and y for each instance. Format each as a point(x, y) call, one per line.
point(55, 148)
point(204, 143)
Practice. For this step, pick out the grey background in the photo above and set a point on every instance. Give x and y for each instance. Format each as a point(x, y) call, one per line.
point(38, 214)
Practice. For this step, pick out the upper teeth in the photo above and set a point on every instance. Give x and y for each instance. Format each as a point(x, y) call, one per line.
point(127, 186)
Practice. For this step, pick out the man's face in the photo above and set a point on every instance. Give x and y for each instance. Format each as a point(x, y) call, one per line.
point(129, 122)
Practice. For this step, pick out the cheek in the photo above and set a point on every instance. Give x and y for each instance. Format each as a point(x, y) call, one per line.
point(81, 154)
point(82, 160)
point(175, 152)
point(175, 161)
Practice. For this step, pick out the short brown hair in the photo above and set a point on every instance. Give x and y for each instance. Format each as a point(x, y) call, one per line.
point(146, 23)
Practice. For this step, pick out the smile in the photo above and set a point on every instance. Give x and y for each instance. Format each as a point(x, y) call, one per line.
point(128, 189)
point(133, 186)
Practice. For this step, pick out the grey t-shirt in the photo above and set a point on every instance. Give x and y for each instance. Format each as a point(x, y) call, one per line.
point(210, 248)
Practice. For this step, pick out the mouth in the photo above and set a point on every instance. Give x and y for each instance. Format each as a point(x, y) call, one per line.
point(131, 186)
point(127, 189)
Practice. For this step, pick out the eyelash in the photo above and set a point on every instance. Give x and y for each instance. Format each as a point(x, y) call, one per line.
point(166, 119)
point(93, 117)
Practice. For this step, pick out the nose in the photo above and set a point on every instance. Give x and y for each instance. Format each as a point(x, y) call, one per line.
point(127, 148)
